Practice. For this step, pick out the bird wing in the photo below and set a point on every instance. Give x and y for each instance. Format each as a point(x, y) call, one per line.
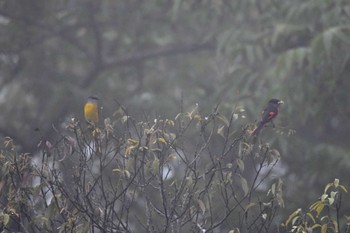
point(268, 114)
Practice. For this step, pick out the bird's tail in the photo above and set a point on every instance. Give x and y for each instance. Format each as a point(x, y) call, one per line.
point(256, 131)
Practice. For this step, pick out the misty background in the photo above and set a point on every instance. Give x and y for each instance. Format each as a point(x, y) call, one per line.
point(159, 58)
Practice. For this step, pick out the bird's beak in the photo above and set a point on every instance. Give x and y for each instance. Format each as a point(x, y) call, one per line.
point(280, 102)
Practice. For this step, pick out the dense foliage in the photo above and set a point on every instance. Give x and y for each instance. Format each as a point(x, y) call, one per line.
point(144, 177)
point(159, 58)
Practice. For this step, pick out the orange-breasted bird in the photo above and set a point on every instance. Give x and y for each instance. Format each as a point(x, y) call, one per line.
point(91, 110)
point(270, 112)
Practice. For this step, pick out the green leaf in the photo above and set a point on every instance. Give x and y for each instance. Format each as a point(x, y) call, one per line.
point(319, 208)
point(240, 164)
point(333, 194)
point(343, 188)
point(336, 183)
point(155, 166)
point(244, 185)
point(5, 219)
point(295, 213)
point(250, 205)
point(223, 119)
point(273, 189)
point(221, 131)
point(327, 187)
point(295, 219)
point(315, 226)
point(311, 217)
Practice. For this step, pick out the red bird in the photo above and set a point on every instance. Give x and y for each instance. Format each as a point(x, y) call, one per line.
point(270, 112)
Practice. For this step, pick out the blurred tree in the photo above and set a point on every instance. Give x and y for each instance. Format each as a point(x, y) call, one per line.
point(162, 56)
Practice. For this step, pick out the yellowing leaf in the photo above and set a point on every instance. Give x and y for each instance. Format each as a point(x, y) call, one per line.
point(343, 188)
point(324, 228)
point(311, 217)
point(133, 142)
point(314, 205)
point(295, 213)
point(316, 226)
point(162, 140)
point(197, 117)
point(319, 209)
point(128, 150)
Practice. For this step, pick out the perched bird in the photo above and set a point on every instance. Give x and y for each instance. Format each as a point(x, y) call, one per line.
point(91, 110)
point(270, 112)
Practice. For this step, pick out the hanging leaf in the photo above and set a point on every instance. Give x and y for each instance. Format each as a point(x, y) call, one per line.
point(292, 216)
point(220, 131)
point(244, 185)
point(223, 119)
point(311, 217)
point(133, 142)
point(240, 164)
point(155, 166)
point(201, 206)
point(250, 205)
point(343, 188)
point(336, 183)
